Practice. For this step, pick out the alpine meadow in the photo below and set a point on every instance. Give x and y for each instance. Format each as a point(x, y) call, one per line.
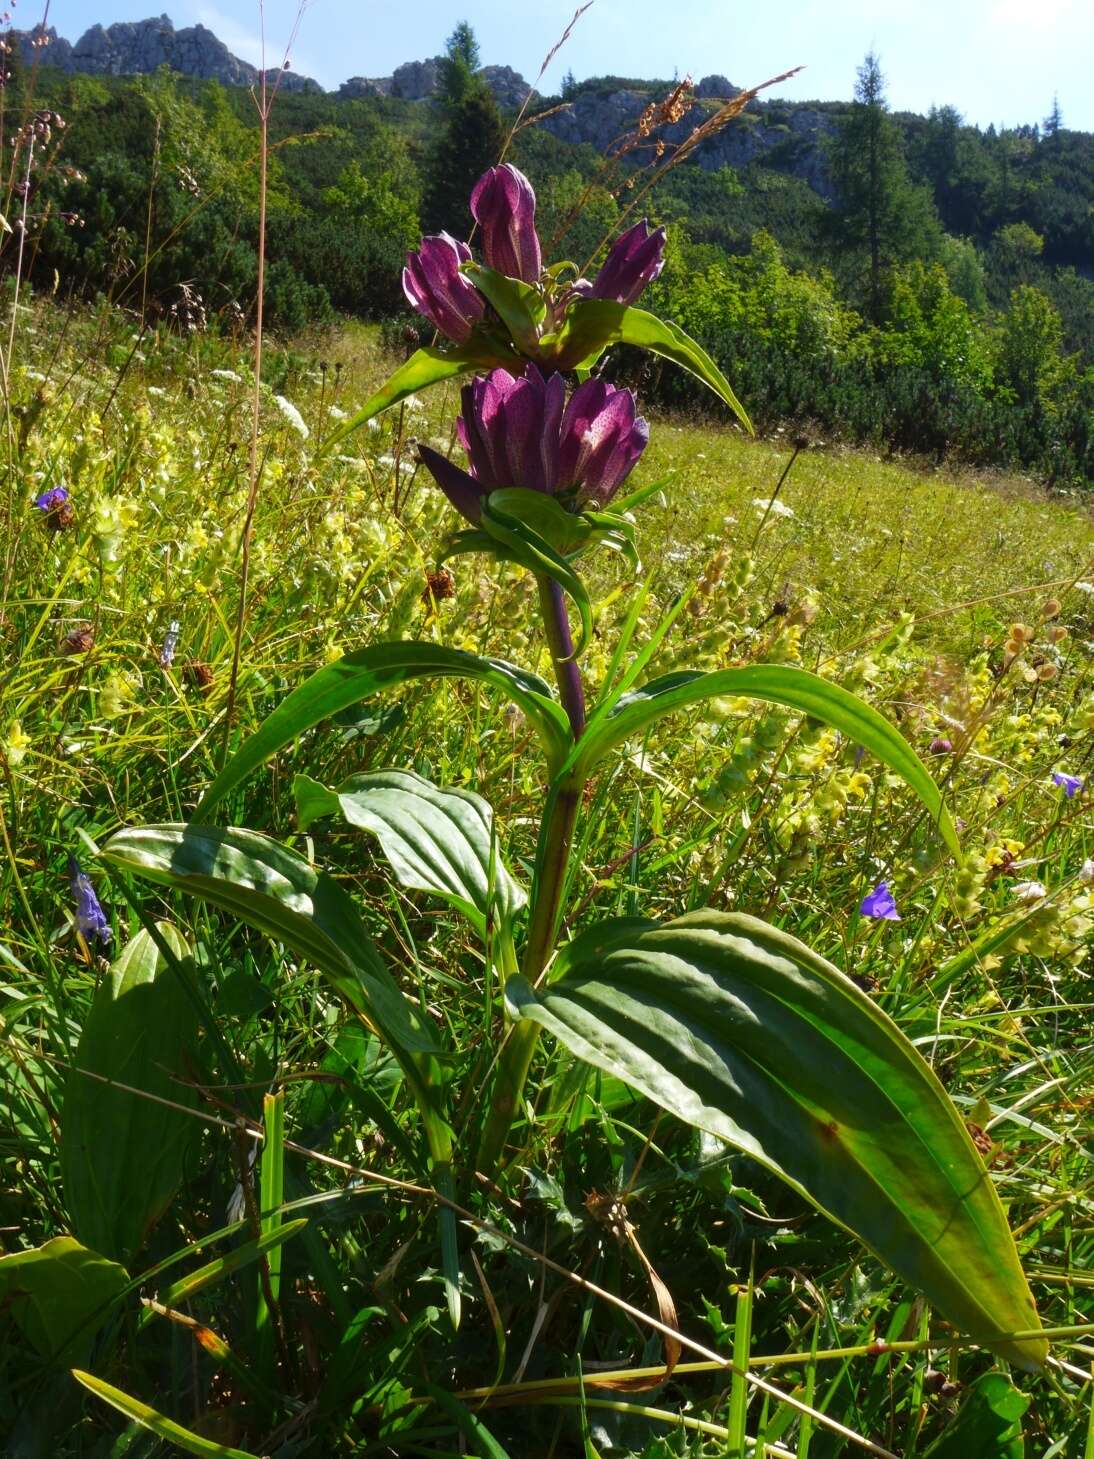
point(546, 746)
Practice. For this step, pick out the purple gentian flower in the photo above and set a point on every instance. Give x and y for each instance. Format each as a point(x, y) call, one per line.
point(504, 206)
point(635, 260)
point(1069, 784)
point(170, 644)
point(880, 904)
point(90, 917)
point(433, 284)
point(516, 432)
point(50, 500)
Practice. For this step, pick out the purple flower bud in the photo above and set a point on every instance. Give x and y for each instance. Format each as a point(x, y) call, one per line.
point(635, 260)
point(880, 904)
point(433, 284)
point(940, 746)
point(50, 500)
point(602, 438)
point(516, 433)
point(90, 917)
point(504, 206)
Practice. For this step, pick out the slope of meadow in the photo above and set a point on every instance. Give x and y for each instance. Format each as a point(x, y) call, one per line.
point(900, 585)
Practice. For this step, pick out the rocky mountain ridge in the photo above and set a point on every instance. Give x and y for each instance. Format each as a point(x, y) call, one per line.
point(596, 117)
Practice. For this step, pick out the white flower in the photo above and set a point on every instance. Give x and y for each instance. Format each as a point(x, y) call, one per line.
point(337, 413)
point(293, 416)
point(227, 375)
point(1028, 892)
point(776, 509)
point(1084, 588)
point(156, 390)
point(1086, 872)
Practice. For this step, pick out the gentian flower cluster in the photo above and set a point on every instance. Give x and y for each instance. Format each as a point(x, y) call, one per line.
point(516, 426)
point(519, 431)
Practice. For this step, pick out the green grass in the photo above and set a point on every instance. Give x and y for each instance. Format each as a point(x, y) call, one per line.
point(899, 584)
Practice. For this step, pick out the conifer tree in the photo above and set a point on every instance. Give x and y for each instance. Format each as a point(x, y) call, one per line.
point(879, 212)
point(469, 137)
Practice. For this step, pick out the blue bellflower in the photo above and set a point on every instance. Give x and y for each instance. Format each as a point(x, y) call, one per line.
point(90, 917)
point(1069, 784)
point(50, 500)
point(880, 904)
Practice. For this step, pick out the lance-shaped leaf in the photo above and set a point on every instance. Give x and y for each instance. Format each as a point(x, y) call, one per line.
point(569, 533)
point(429, 366)
point(439, 841)
point(273, 888)
point(743, 1031)
point(620, 717)
point(521, 307)
point(157, 1423)
point(370, 671)
point(123, 1155)
point(593, 324)
point(511, 539)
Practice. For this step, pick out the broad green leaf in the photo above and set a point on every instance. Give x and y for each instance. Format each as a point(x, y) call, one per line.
point(273, 888)
point(521, 308)
point(439, 841)
point(743, 1031)
point(371, 671)
point(123, 1156)
point(425, 367)
point(617, 720)
point(157, 1423)
point(59, 1295)
point(593, 324)
point(988, 1425)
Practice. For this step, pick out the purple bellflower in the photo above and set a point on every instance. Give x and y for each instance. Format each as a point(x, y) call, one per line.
point(50, 500)
point(880, 904)
point(503, 204)
point(634, 260)
point(90, 917)
point(433, 284)
point(1069, 784)
point(518, 431)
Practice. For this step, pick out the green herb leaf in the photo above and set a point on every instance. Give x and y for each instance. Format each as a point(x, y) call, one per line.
point(743, 1031)
point(123, 1156)
point(439, 841)
point(371, 671)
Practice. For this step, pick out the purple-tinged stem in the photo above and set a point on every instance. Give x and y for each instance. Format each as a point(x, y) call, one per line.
point(560, 640)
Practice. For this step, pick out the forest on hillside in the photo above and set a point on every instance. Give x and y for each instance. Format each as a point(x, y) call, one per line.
point(940, 301)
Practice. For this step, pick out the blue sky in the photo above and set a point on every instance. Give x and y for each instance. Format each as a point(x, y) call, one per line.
point(995, 60)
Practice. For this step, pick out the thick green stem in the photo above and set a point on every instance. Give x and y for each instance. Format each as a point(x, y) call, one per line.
point(552, 866)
